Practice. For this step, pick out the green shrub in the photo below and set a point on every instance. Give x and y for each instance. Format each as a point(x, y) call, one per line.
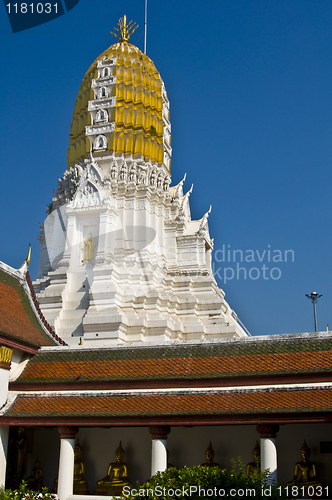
point(23, 493)
point(201, 482)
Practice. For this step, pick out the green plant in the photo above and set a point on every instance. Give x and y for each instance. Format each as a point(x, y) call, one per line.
point(23, 493)
point(201, 482)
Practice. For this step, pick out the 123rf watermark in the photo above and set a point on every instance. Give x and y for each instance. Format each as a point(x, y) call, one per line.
point(229, 264)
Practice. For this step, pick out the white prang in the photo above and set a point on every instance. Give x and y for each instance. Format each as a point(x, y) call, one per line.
point(121, 259)
point(149, 276)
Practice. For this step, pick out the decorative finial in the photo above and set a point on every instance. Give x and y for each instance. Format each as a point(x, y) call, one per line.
point(204, 219)
point(29, 256)
point(24, 267)
point(126, 30)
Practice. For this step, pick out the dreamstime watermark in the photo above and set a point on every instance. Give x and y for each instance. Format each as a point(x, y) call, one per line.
point(230, 264)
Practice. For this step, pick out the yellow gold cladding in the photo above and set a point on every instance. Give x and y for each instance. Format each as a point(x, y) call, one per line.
point(5, 355)
point(138, 113)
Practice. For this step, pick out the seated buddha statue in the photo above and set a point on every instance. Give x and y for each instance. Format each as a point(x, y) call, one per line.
point(254, 467)
point(117, 476)
point(305, 471)
point(35, 481)
point(80, 485)
point(209, 455)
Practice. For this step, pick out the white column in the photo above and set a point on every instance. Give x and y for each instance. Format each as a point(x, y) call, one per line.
point(268, 433)
point(4, 431)
point(159, 435)
point(66, 462)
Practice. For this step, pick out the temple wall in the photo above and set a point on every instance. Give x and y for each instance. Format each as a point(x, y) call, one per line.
point(186, 445)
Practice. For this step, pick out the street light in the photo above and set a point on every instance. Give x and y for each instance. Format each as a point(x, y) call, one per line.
point(314, 296)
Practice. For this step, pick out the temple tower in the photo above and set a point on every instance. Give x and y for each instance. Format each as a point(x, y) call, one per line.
point(121, 258)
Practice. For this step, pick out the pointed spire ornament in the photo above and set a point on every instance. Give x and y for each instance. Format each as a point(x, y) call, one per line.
point(205, 218)
point(179, 188)
point(186, 196)
point(29, 256)
point(25, 266)
point(125, 30)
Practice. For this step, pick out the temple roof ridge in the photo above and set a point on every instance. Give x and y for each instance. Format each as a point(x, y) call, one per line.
point(169, 344)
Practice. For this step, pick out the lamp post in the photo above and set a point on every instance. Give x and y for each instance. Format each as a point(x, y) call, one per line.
point(314, 296)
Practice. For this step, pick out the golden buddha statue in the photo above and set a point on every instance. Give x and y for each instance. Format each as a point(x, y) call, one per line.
point(305, 471)
point(88, 248)
point(254, 468)
point(35, 481)
point(117, 476)
point(80, 485)
point(209, 455)
point(17, 458)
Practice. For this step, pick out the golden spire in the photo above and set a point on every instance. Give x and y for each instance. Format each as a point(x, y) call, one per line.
point(126, 30)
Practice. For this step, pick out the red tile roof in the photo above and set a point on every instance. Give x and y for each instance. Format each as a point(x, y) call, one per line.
point(18, 319)
point(176, 404)
point(230, 359)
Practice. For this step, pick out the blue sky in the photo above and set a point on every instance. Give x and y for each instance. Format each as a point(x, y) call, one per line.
point(249, 84)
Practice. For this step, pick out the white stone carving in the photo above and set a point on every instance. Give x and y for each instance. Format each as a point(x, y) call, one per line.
point(113, 171)
point(153, 177)
point(142, 173)
point(105, 129)
point(100, 83)
point(123, 172)
point(104, 104)
point(106, 62)
point(132, 173)
point(160, 181)
point(87, 197)
point(166, 183)
point(102, 92)
point(101, 115)
point(100, 142)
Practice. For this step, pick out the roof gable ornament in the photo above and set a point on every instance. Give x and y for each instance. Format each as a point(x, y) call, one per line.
point(25, 266)
point(203, 223)
point(126, 30)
